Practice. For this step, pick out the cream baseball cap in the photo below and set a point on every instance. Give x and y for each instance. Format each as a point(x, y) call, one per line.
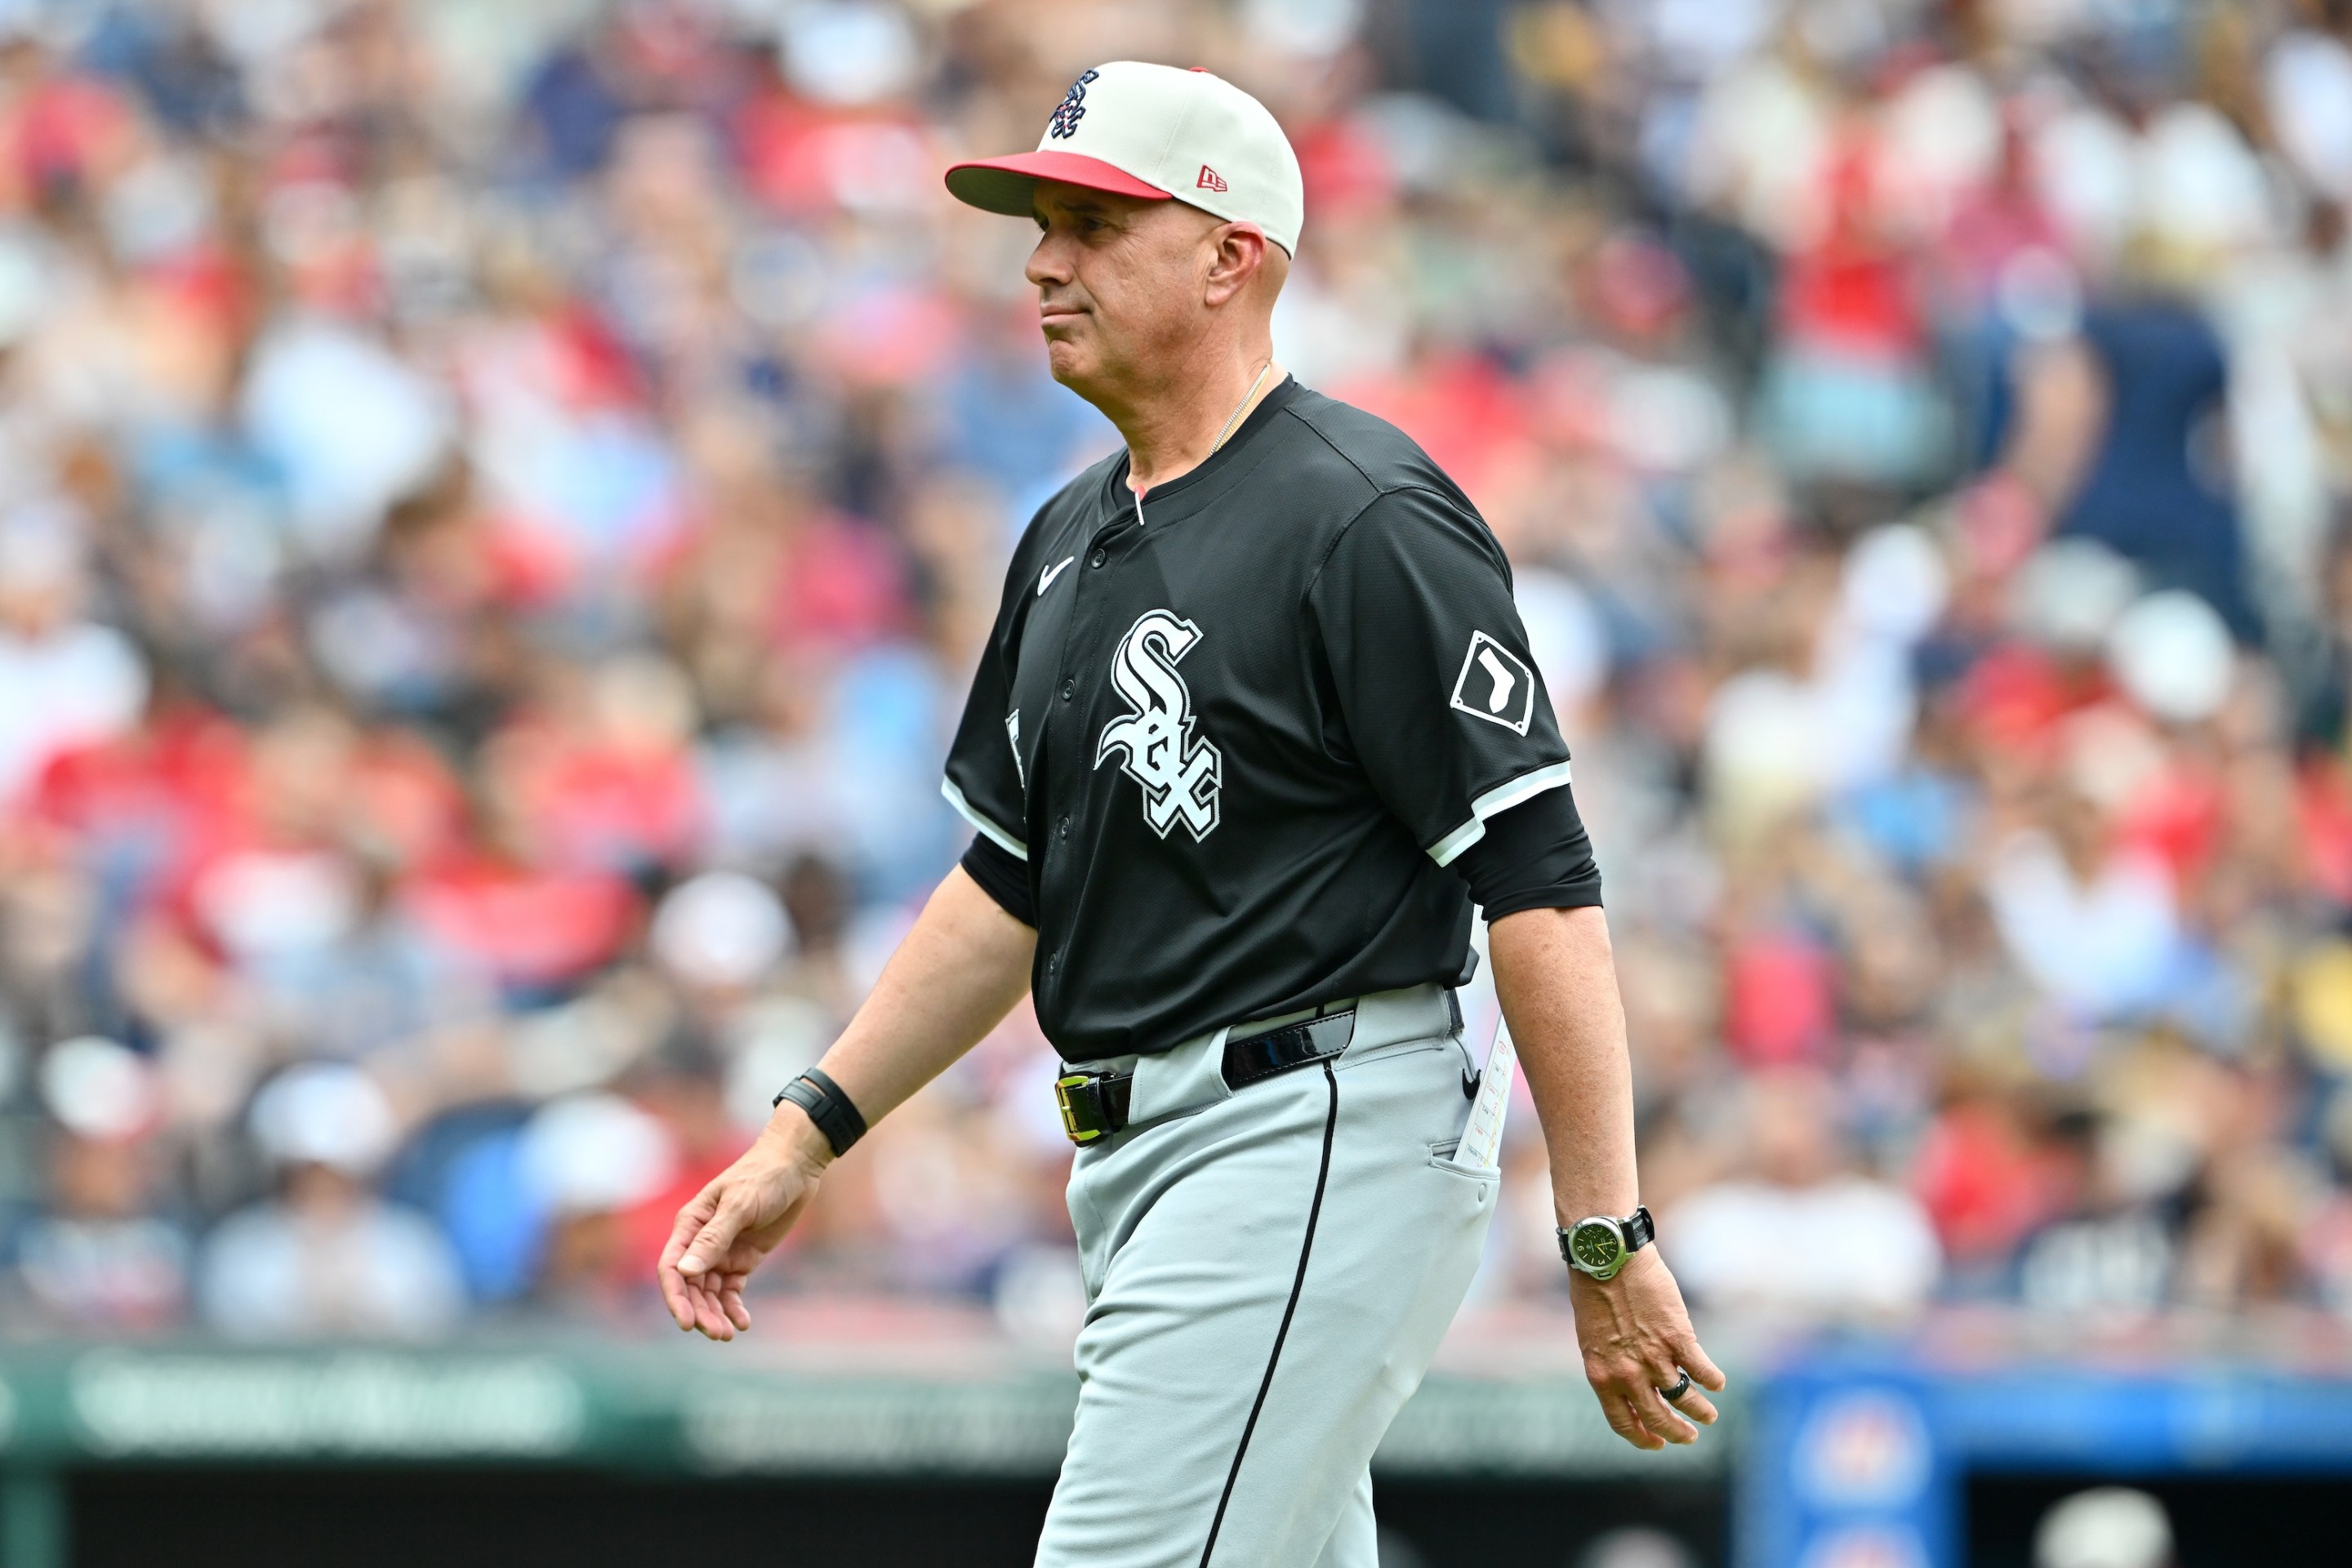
point(1155, 132)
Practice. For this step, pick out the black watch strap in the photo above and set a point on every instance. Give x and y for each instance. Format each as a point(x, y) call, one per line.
point(816, 1093)
point(1639, 1229)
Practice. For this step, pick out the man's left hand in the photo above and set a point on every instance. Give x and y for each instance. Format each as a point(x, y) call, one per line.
point(1637, 1339)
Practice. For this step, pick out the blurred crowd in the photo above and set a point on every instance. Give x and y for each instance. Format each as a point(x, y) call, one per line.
point(498, 504)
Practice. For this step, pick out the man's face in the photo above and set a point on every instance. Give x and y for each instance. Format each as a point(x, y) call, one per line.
point(1119, 284)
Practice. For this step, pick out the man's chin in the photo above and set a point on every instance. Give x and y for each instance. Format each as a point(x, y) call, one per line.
point(1072, 366)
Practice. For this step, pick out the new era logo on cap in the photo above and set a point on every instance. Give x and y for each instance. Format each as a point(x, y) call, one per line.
point(1154, 131)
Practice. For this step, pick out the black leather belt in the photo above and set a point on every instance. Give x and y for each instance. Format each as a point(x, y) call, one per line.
point(1094, 1104)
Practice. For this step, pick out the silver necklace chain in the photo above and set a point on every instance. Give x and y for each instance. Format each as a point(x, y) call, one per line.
point(1226, 430)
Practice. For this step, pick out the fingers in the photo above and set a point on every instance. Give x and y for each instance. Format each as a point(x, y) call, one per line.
point(730, 1301)
point(700, 1297)
point(710, 1317)
point(1633, 1395)
point(674, 1290)
point(1695, 1361)
point(1661, 1418)
point(1619, 1411)
point(702, 1272)
point(673, 1295)
point(1704, 1373)
point(715, 1240)
point(1695, 1406)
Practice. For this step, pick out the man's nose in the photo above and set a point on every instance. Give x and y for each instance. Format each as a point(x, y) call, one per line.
point(1049, 262)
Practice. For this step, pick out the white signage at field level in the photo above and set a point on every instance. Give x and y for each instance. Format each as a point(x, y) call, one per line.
point(360, 1402)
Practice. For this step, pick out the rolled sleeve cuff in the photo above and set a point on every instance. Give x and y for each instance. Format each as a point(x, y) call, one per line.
point(1495, 802)
point(1001, 877)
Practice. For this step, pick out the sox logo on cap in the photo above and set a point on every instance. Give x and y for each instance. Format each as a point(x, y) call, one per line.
point(1073, 109)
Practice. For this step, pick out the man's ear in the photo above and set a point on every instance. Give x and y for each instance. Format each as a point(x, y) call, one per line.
point(1239, 256)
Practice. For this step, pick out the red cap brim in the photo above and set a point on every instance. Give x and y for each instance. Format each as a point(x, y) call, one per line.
point(1004, 184)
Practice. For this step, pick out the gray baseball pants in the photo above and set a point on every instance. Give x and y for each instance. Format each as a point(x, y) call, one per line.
point(1268, 1273)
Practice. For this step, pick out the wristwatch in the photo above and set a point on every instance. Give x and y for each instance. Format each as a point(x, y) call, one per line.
point(1598, 1245)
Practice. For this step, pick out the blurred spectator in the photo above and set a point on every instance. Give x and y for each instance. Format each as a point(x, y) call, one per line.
point(1797, 1232)
point(2107, 1247)
point(2141, 403)
point(100, 1258)
point(587, 1160)
point(63, 680)
point(1847, 396)
point(325, 1256)
point(2093, 922)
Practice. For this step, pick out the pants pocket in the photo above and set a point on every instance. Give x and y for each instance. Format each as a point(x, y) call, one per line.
point(1440, 1158)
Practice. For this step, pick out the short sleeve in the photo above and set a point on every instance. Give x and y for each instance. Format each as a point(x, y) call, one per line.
point(1536, 856)
point(983, 773)
point(1437, 692)
point(1001, 877)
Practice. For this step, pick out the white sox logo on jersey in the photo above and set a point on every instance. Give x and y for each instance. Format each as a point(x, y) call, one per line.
point(1495, 685)
point(1178, 774)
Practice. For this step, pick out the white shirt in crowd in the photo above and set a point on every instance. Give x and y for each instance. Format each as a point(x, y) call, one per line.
point(1844, 1248)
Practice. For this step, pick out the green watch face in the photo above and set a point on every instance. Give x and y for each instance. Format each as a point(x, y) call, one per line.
point(1596, 1245)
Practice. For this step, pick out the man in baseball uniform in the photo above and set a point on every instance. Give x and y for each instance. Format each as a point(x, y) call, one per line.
point(1256, 727)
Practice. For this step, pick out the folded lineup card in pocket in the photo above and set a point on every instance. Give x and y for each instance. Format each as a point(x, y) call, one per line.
point(1481, 1136)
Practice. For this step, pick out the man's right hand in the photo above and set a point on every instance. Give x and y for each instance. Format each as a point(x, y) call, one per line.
point(736, 1221)
point(960, 971)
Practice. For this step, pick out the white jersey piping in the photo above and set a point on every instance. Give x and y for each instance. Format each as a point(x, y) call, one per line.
point(1494, 803)
point(995, 834)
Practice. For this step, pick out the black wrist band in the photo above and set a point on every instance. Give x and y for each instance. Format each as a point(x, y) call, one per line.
point(827, 1106)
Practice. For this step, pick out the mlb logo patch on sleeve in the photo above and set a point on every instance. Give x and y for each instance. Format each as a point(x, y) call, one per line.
point(1495, 685)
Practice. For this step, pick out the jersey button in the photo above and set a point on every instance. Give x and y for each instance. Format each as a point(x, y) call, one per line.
point(1066, 827)
point(1069, 689)
point(1099, 557)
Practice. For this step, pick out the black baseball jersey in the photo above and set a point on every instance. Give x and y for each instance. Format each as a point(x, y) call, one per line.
point(1239, 729)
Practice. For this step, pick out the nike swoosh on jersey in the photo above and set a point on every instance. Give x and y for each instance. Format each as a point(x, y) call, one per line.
point(1045, 580)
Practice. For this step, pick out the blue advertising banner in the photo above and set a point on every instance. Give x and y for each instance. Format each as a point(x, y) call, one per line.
point(1860, 1464)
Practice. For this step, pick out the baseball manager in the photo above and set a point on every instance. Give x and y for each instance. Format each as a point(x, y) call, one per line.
point(1256, 727)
